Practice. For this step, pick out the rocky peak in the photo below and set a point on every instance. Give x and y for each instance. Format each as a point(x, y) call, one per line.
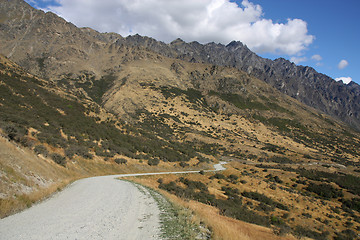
point(234, 45)
point(178, 41)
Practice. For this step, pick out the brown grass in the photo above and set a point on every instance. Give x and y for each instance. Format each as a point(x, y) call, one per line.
point(222, 227)
point(228, 228)
point(9, 206)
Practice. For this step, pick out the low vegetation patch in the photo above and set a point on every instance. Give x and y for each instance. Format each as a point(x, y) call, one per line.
point(264, 199)
point(325, 191)
point(347, 181)
point(66, 122)
point(231, 207)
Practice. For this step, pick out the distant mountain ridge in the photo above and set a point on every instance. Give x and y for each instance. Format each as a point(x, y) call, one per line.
point(305, 84)
point(47, 45)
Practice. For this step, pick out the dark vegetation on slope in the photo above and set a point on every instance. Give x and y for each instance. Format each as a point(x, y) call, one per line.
point(231, 207)
point(290, 126)
point(64, 122)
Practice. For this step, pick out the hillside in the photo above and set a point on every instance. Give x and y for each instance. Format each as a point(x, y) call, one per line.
point(68, 138)
point(82, 103)
point(299, 82)
point(48, 46)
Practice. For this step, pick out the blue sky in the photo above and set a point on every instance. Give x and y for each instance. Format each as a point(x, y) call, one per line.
point(316, 33)
point(335, 25)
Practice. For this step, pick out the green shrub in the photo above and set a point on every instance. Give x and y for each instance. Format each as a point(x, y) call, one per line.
point(273, 178)
point(194, 184)
point(278, 159)
point(218, 176)
point(347, 234)
point(233, 208)
point(325, 190)
point(264, 207)
point(81, 151)
point(153, 161)
point(97, 88)
point(231, 192)
point(233, 178)
point(306, 232)
point(346, 181)
point(58, 159)
point(120, 161)
point(203, 159)
point(183, 164)
point(103, 153)
point(276, 221)
point(27, 142)
point(273, 148)
point(41, 149)
point(14, 132)
point(240, 101)
point(307, 215)
point(353, 203)
point(264, 199)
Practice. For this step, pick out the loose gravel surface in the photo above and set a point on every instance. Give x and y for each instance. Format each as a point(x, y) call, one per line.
point(91, 208)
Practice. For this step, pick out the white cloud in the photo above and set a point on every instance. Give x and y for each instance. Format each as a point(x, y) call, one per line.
point(316, 57)
point(343, 64)
point(298, 60)
point(200, 20)
point(345, 80)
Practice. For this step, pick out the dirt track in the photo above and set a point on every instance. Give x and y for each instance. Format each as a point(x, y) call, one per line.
point(91, 208)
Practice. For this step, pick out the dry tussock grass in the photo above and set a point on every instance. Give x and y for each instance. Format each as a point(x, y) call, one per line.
point(222, 227)
point(228, 228)
point(17, 203)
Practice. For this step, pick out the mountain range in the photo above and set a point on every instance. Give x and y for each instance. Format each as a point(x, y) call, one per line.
point(48, 46)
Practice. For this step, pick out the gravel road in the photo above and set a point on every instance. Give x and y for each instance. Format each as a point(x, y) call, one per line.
point(91, 208)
